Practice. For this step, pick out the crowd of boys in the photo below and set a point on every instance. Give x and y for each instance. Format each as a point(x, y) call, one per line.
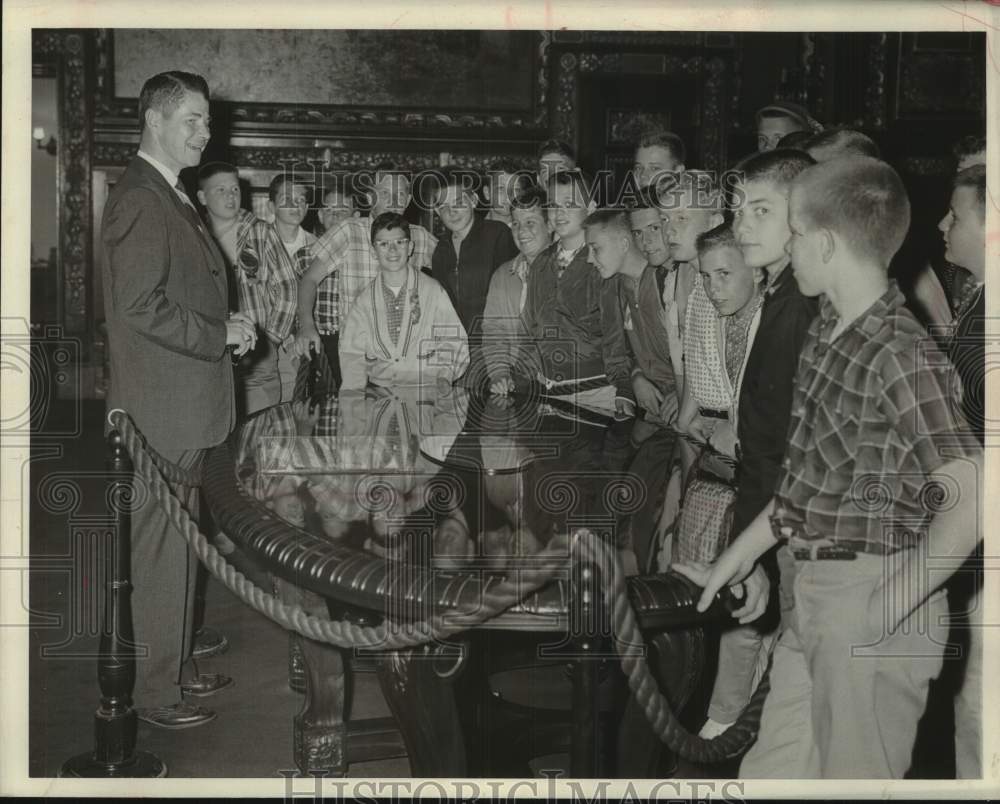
point(757, 324)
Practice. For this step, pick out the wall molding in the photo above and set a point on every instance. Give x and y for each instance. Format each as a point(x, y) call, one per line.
point(277, 120)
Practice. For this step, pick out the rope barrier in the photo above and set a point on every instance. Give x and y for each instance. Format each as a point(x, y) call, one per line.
point(584, 545)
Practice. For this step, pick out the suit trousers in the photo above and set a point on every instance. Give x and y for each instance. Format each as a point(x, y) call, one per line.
point(846, 695)
point(163, 588)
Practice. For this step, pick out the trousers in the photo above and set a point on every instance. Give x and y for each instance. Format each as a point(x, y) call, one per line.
point(846, 694)
point(163, 588)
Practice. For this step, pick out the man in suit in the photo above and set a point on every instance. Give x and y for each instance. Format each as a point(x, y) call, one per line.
point(166, 296)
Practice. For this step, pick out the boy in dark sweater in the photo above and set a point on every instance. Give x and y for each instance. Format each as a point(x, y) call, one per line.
point(470, 251)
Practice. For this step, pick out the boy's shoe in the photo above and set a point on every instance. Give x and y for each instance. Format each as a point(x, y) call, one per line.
point(176, 716)
point(205, 684)
point(712, 729)
point(208, 642)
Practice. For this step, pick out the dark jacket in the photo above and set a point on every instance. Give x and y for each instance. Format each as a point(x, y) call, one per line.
point(488, 245)
point(165, 295)
point(576, 321)
point(765, 406)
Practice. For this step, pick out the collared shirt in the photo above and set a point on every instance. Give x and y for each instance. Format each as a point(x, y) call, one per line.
point(871, 411)
point(703, 365)
point(395, 299)
point(264, 274)
point(347, 249)
point(171, 177)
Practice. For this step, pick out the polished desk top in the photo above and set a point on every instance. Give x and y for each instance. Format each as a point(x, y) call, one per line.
point(425, 494)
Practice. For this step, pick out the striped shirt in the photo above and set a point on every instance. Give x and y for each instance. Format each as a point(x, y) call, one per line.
point(347, 249)
point(871, 413)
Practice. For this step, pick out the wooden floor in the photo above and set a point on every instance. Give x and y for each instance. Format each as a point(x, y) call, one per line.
point(252, 737)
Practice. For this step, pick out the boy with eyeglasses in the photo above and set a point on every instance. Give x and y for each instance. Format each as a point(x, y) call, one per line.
point(402, 328)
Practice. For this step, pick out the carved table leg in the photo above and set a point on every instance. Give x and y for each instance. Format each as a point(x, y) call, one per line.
point(418, 686)
point(319, 727)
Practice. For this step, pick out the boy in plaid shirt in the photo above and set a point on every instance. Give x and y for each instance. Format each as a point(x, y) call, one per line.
point(263, 276)
point(346, 249)
point(873, 429)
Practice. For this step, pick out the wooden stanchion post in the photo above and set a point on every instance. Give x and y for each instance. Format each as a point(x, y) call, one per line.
point(115, 721)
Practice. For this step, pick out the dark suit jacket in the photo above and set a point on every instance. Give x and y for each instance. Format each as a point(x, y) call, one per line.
point(766, 394)
point(165, 296)
point(488, 245)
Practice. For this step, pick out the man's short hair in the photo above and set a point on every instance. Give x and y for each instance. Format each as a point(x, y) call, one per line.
point(210, 169)
point(465, 179)
point(571, 178)
point(702, 186)
point(861, 199)
point(279, 181)
point(974, 176)
point(389, 220)
point(647, 198)
point(165, 92)
point(530, 197)
point(791, 111)
point(721, 236)
point(795, 139)
point(664, 139)
point(504, 164)
point(389, 168)
point(557, 147)
point(613, 219)
point(779, 167)
point(333, 183)
point(836, 142)
point(969, 145)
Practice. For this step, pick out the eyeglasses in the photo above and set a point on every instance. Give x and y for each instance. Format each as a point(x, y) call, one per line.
point(385, 245)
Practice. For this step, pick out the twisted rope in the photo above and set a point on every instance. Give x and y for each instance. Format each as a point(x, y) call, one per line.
point(585, 545)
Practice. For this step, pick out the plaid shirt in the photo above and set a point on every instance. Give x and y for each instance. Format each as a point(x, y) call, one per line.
point(266, 286)
point(347, 249)
point(394, 308)
point(871, 412)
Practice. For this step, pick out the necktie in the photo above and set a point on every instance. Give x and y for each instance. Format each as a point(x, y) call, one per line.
point(183, 194)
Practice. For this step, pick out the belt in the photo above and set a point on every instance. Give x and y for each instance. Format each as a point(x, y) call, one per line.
point(811, 547)
point(713, 413)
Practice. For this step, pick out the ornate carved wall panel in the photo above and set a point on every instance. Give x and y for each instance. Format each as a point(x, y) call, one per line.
point(709, 71)
point(68, 53)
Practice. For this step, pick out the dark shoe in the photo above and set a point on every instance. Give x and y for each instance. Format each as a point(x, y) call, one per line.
point(205, 684)
point(208, 642)
point(178, 716)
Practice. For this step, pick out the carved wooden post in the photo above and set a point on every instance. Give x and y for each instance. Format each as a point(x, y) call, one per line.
point(586, 617)
point(115, 722)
